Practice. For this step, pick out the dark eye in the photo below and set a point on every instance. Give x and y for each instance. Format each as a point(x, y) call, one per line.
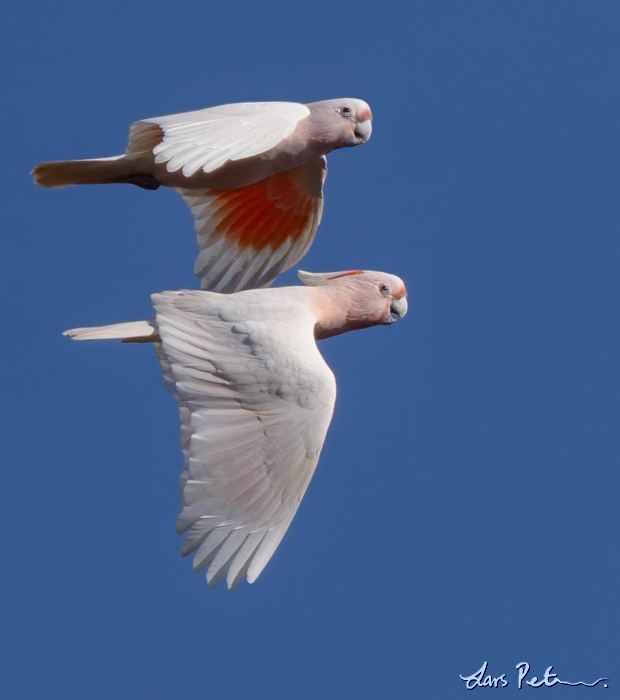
point(385, 290)
point(346, 112)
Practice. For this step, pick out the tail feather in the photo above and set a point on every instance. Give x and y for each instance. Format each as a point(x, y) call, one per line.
point(132, 332)
point(83, 172)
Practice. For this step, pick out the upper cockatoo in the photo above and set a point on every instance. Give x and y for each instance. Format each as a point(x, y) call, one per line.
point(255, 398)
point(252, 174)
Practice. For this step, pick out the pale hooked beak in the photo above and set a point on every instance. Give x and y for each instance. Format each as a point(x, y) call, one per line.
point(398, 308)
point(363, 130)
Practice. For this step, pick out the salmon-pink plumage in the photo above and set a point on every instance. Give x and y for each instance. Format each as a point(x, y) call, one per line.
point(265, 213)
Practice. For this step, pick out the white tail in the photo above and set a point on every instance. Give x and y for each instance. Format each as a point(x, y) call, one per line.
point(132, 332)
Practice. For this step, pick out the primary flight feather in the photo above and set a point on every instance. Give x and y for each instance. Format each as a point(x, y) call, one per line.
point(252, 174)
point(255, 400)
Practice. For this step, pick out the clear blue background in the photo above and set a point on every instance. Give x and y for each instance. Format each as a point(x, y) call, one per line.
point(466, 504)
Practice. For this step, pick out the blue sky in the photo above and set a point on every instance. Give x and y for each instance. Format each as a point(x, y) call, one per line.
point(465, 508)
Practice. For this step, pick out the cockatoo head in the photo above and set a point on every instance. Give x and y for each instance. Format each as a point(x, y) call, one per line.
point(357, 299)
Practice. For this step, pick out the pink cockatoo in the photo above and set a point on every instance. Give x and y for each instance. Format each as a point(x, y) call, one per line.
point(251, 173)
point(255, 399)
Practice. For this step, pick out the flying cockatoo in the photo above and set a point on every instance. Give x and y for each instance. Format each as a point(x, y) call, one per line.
point(255, 399)
point(252, 174)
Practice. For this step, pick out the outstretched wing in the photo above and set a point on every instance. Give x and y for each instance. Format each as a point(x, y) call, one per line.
point(250, 234)
point(255, 400)
point(208, 138)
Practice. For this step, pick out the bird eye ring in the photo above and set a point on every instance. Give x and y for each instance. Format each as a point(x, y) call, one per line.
point(346, 111)
point(384, 289)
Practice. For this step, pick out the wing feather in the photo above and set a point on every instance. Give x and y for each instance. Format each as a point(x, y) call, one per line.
point(249, 235)
point(255, 402)
point(240, 564)
point(208, 138)
point(267, 547)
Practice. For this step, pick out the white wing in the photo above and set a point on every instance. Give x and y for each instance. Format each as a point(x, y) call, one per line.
point(255, 399)
point(208, 138)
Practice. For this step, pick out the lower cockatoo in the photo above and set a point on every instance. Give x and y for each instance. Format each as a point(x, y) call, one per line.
point(252, 174)
point(255, 399)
